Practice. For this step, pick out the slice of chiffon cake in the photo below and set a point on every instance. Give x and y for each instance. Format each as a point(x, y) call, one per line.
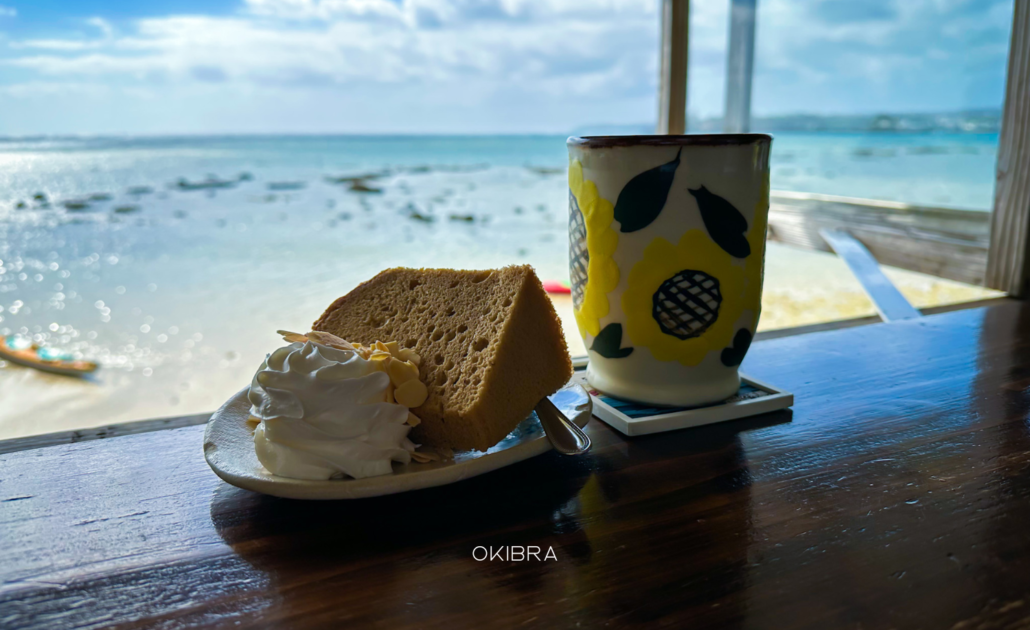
point(490, 343)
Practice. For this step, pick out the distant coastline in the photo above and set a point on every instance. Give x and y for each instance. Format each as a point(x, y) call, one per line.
point(973, 121)
point(966, 121)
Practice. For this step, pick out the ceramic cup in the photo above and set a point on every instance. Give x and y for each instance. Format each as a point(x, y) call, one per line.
point(666, 255)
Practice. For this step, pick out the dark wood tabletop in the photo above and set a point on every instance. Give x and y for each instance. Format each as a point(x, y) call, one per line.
point(896, 494)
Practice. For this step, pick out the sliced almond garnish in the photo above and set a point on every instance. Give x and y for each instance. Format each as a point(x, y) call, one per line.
point(423, 457)
point(411, 394)
point(401, 372)
point(329, 339)
point(407, 354)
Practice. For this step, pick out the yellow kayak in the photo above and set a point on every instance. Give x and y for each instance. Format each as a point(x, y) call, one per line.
point(21, 352)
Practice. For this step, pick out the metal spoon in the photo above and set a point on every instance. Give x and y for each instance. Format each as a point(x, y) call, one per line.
point(565, 436)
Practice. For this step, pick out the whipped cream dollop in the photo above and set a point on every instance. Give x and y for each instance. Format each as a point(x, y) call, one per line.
point(322, 413)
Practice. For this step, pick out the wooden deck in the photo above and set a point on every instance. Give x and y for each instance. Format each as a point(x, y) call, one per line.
point(942, 242)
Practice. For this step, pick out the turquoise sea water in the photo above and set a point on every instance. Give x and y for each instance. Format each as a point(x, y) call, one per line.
point(175, 289)
point(952, 170)
point(932, 169)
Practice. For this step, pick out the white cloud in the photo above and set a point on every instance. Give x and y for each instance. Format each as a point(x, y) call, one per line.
point(33, 89)
point(105, 28)
point(834, 56)
point(8, 12)
point(55, 44)
point(573, 55)
point(327, 10)
point(449, 12)
point(416, 65)
point(506, 65)
point(103, 25)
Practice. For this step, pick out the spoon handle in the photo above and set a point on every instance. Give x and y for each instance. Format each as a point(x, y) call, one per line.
point(565, 436)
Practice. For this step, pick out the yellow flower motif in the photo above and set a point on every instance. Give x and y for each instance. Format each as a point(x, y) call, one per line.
point(601, 241)
point(662, 261)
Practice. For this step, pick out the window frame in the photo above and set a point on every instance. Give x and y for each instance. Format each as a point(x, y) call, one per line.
point(998, 260)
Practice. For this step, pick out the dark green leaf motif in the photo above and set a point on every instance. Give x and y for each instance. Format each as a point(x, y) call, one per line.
point(732, 356)
point(607, 343)
point(724, 223)
point(643, 197)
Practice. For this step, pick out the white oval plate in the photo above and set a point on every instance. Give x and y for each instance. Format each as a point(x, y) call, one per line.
point(229, 450)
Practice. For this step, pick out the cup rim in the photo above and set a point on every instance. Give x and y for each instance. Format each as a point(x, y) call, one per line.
point(700, 139)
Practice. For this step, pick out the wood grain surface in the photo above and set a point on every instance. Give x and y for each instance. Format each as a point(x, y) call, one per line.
point(895, 495)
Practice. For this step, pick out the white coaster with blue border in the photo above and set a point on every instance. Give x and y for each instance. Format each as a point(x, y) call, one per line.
point(631, 418)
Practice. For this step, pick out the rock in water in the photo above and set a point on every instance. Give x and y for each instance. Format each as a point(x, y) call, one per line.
point(725, 224)
point(643, 197)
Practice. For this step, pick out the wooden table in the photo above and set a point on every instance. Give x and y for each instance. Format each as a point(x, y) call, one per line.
point(895, 495)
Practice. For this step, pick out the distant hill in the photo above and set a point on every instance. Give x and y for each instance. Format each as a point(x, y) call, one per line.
point(602, 129)
point(969, 121)
point(972, 121)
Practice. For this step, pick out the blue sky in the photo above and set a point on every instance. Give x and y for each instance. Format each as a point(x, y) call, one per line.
point(469, 66)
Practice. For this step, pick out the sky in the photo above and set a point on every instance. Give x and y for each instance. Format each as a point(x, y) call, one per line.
point(470, 66)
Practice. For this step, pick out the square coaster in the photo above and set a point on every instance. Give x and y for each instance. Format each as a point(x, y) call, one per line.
point(631, 418)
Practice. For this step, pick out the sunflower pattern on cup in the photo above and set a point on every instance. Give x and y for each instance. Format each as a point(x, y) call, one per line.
point(684, 300)
point(592, 241)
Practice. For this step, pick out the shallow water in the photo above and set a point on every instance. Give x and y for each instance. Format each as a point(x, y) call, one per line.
point(953, 170)
point(178, 292)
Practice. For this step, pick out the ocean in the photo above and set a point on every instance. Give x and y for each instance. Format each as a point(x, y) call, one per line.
point(173, 261)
